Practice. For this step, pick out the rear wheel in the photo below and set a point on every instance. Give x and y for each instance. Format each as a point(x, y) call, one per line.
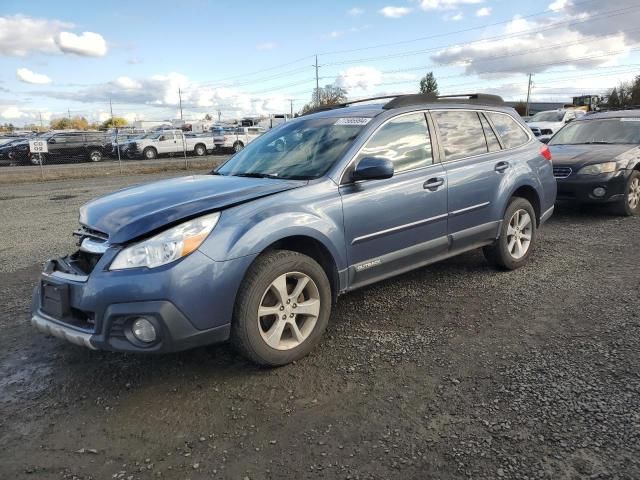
point(95, 155)
point(630, 204)
point(517, 236)
point(282, 308)
point(37, 159)
point(200, 150)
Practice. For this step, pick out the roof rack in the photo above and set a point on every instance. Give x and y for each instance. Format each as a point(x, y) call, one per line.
point(418, 99)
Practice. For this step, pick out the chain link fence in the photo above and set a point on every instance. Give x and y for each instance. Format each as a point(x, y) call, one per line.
point(151, 147)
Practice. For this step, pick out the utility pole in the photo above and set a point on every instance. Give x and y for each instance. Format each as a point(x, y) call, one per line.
point(69, 113)
point(317, 84)
point(219, 115)
point(526, 112)
point(111, 108)
point(291, 102)
point(180, 96)
point(41, 124)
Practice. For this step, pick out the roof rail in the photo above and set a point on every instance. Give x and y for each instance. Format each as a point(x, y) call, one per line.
point(417, 99)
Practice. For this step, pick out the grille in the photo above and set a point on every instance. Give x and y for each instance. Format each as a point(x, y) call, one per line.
point(561, 172)
point(83, 232)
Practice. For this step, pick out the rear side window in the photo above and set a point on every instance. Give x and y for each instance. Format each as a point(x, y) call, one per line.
point(461, 133)
point(510, 131)
point(489, 135)
point(404, 140)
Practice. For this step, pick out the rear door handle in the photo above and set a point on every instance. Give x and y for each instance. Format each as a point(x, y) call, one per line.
point(501, 166)
point(433, 183)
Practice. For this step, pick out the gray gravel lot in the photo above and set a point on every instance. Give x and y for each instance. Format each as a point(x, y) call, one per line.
point(451, 371)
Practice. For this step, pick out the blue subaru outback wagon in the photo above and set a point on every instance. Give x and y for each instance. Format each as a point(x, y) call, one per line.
point(259, 250)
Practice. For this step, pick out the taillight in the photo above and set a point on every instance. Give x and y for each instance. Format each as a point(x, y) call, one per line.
point(545, 152)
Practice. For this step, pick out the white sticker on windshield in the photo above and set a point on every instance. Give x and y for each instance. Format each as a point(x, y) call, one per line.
point(353, 121)
point(630, 119)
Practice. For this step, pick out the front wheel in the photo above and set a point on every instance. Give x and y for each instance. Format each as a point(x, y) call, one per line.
point(630, 204)
point(238, 146)
point(150, 153)
point(37, 158)
point(517, 236)
point(95, 156)
point(282, 308)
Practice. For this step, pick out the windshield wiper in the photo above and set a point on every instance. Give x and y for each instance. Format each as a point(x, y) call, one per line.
point(255, 175)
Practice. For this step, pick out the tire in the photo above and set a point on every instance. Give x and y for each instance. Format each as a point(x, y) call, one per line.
point(149, 153)
point(238, 146)
point(95, 155)
point(200, 150)
point(511, 250)
point(630, 204)
point(37, 159)
point(250, 331)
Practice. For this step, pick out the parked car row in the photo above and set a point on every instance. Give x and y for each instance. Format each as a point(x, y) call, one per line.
point(235, 138)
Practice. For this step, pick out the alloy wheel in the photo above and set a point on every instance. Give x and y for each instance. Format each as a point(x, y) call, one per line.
point(289, 311)
point(634, 193)
point(519, 233)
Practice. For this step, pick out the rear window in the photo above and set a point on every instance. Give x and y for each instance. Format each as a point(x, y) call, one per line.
point(511, 132)
point(461, 133)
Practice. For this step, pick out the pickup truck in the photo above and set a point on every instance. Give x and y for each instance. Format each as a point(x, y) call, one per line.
point(166, 142)
point(235, 137)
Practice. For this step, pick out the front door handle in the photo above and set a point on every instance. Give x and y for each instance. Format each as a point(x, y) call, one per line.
point(433, 183)
point(501, 166)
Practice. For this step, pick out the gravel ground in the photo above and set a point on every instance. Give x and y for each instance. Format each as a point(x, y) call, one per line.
point(451, 371)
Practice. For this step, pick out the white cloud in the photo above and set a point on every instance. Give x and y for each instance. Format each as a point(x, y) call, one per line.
point(13, 113)
point(395, 12)
point(446, 4)
point(359, 78)
point(127, 83)
point(483, 12)
point(134, 61)
point(21, 35)
point(453, 18)
point(27, 76)
point(88, 44)
point(266, 46)
point(558, 5)
point(536, 52)
point(355, 11)
point(335, 34)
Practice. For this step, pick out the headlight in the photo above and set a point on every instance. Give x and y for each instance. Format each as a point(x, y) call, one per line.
point(168, 246)
point(598, 168)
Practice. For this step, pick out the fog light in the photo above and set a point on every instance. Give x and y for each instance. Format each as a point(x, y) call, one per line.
point(143, 330)
point(599, 192)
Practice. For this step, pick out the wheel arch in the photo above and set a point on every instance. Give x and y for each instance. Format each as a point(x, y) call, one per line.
point(314, 248)
point(529, 193)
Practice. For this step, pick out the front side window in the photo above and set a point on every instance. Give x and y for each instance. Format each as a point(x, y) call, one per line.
point(305, 148)
point(404, 140)
point(550, 116)
point(461, 133)
point(510, 131)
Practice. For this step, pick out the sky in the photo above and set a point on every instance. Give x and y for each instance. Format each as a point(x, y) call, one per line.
point(255, 58)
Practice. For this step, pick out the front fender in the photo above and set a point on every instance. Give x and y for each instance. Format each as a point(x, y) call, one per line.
point(313, 211)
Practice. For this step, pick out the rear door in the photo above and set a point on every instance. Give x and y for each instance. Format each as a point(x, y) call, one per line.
point(393, 225)
point(475, 169)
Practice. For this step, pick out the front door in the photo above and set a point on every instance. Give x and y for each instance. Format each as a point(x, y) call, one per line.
point(167, 143)
point(395, 224)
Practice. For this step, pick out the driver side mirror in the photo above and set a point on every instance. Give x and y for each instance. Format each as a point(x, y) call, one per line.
point(373, 168)
point(52, 140)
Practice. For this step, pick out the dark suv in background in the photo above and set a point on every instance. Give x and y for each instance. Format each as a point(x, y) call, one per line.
point(596, 159)
point(73, 146)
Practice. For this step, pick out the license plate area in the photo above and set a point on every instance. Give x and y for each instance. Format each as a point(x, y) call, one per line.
point(55, 299)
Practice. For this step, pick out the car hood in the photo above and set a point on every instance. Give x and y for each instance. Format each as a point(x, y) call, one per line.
point(551, 125)
point(580, 155)
point(141, 209)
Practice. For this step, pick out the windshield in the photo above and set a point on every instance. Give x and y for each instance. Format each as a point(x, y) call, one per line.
point(611, 130)
point(150, 135)
point(301, 149)
point(547, 117)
